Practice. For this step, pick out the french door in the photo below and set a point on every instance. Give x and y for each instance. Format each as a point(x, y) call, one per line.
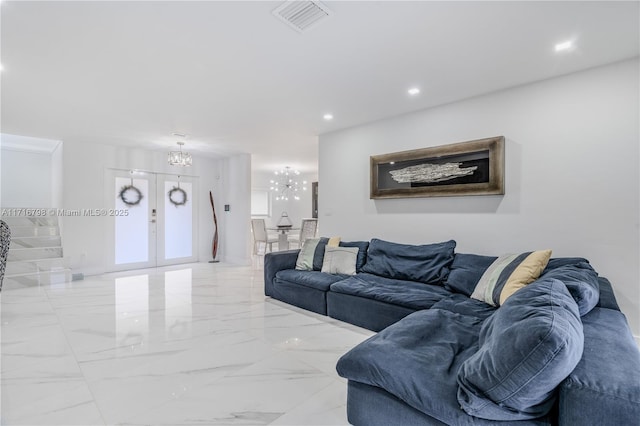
point(152, 219)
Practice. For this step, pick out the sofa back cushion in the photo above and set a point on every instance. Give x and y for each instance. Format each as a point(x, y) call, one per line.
point(575, 272)
point(427, 263)
point(318, 256)
point(466, 271)
point(579, 277)
point(362, 251)
point(607, 298)
point(526, 348)
point(508, 274)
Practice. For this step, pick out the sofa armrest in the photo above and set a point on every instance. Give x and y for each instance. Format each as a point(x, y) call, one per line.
point(277, 261)
point(604, 388)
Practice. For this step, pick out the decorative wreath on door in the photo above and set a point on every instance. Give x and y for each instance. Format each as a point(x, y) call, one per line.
point(177, 196)
point(130, 195)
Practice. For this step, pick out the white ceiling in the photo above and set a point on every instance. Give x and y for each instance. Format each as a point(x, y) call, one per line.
point(236, 79)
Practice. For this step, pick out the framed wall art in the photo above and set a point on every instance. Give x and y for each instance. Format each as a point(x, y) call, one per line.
point(466, 168)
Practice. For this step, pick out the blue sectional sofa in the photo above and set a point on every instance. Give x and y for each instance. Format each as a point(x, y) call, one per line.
point(555, 351)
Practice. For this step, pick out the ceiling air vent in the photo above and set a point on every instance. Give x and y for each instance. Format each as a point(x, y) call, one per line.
point(301, 15)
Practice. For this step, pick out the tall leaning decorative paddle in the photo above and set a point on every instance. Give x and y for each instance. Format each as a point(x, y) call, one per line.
point(214, 244)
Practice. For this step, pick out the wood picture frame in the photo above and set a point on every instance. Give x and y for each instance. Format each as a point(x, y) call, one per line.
point(465, 168)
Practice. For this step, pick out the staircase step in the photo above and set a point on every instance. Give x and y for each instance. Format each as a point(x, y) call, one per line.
point(30, 220)
point(18, 267)
point(34, 231)
point(30, 280)
point(35, 242)
point(35, 256)
point(33, 253)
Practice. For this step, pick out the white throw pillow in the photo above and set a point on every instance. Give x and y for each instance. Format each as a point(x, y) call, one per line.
point(305, 257)
point(340, 260)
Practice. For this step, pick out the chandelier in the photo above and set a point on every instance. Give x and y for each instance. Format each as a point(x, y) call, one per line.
point(285, 186)
point(179, 158)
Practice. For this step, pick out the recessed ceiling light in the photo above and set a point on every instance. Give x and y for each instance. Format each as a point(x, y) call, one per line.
point(328, 117)
point(565, 45)
point(413, 91)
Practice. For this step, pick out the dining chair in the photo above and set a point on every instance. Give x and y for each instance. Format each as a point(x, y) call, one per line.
point(260, 237)
point(307, 230)
point(5, 240)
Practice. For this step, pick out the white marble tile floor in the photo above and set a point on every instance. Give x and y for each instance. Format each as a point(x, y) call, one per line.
point(195, 344)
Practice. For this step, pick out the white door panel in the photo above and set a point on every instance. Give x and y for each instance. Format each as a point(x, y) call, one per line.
point(159, 224)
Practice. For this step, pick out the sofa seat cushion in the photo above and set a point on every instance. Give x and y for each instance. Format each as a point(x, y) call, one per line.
point(526, 349)
point(409, 294)
point(460, 304)
point(313, 279)
point(417, 360)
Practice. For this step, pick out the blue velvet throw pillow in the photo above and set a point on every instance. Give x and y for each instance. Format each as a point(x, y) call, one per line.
point(318, 256)
point(526, 349)
point(427, 263)
point(466, 271)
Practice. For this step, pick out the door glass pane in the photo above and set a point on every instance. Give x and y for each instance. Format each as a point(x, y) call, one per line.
point(178, 208)
point(132, 231)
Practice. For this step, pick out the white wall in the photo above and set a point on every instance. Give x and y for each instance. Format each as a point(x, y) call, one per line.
point(57, 167)
point(26, 179)
point(85, 163)
point(572, 181)
point(237, 193)
point(31, 171)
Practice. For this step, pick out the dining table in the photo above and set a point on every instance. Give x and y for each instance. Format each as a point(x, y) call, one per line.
point(283, 235)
